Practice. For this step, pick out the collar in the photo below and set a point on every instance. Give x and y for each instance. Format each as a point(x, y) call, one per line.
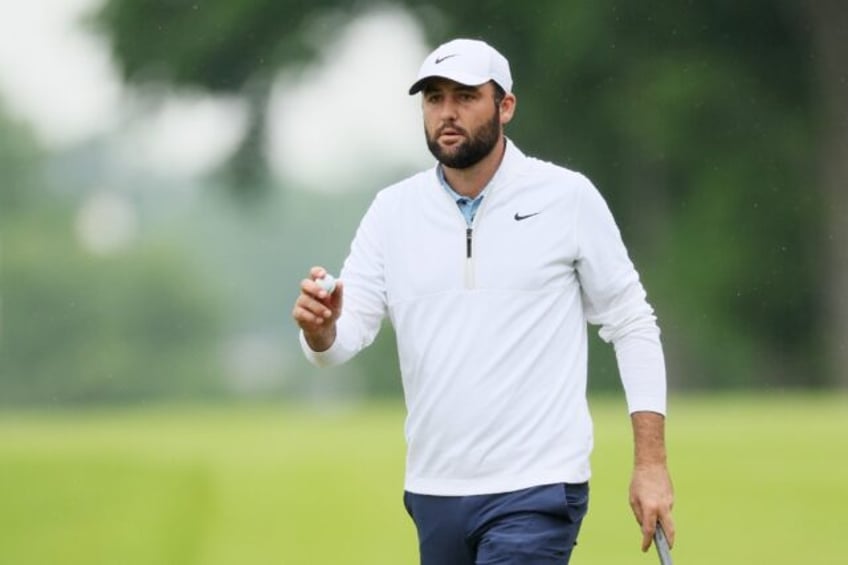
point(511, 158)
point(440, 174)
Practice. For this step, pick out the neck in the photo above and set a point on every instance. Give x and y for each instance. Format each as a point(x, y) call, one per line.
point(471, 181)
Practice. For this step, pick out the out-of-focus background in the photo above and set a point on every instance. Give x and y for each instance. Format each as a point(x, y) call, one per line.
point(170, 169)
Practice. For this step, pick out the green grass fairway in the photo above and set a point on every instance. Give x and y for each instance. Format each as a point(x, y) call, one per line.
point(757, 480)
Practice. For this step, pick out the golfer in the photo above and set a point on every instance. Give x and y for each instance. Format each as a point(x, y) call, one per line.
point(489, 266)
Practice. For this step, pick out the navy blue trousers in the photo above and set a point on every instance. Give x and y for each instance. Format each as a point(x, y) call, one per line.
point(533, 526)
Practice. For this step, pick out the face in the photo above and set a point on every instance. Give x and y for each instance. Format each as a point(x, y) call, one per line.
point(463, 124)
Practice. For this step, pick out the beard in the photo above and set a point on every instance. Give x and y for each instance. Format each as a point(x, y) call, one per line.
point(471, 151)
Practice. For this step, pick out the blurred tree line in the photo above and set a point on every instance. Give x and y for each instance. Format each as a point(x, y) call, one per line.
point(718, 131)
point(79, 328)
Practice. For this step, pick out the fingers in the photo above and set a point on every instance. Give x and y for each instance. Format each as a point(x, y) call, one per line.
point(309, 311)
point(316, 275)
point(315, 307)
point(649, 512)
point(647, 521)
point(652, 498)
point(317, 272)
point(668, 527)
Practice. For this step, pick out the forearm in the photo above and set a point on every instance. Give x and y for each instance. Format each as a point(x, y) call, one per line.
point(648, 439)
point(651, 491)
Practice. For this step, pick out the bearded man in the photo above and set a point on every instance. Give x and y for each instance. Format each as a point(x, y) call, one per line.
point(490, 266)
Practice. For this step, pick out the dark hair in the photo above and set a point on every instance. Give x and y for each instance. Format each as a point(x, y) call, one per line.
point(500, 94)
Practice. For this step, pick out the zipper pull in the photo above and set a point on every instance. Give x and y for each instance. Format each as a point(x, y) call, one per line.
point(468, 233)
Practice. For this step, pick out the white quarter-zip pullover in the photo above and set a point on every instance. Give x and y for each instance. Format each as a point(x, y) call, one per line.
point(491, 323)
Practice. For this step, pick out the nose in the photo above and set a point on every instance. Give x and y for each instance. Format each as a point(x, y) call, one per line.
point(447, 109)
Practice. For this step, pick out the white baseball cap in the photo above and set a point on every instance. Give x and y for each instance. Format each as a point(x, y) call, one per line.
point(466, 61)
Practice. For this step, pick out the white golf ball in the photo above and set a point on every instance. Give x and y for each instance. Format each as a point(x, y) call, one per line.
point(327, 282)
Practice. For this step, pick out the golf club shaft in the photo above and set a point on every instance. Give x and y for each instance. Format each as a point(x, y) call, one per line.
point(661, 544)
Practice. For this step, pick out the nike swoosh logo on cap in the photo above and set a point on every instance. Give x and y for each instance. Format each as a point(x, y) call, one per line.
point(440, 59)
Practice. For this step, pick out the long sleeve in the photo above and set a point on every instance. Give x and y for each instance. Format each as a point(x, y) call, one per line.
point(614, 298)
point(364, 303)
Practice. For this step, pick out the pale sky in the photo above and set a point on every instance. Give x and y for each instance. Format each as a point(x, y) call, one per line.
point(52, 74)
point(351, 112)
point(339, 118)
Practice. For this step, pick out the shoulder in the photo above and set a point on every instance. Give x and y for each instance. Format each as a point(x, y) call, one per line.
point(540, 171)
point(556, 181)
point(558, 175)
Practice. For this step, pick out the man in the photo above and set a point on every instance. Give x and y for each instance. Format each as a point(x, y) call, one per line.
point(489, 266)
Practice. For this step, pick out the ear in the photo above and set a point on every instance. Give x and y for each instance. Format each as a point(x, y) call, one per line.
point(508, 108)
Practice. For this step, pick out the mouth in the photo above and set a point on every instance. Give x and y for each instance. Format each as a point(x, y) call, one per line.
point(450, 135)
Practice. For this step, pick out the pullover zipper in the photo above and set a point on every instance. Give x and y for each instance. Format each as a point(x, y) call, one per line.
point(470, 278)
point(469, 260)
point(470, 281)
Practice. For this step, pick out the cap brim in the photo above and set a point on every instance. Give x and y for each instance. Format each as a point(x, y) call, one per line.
point(461, 78)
